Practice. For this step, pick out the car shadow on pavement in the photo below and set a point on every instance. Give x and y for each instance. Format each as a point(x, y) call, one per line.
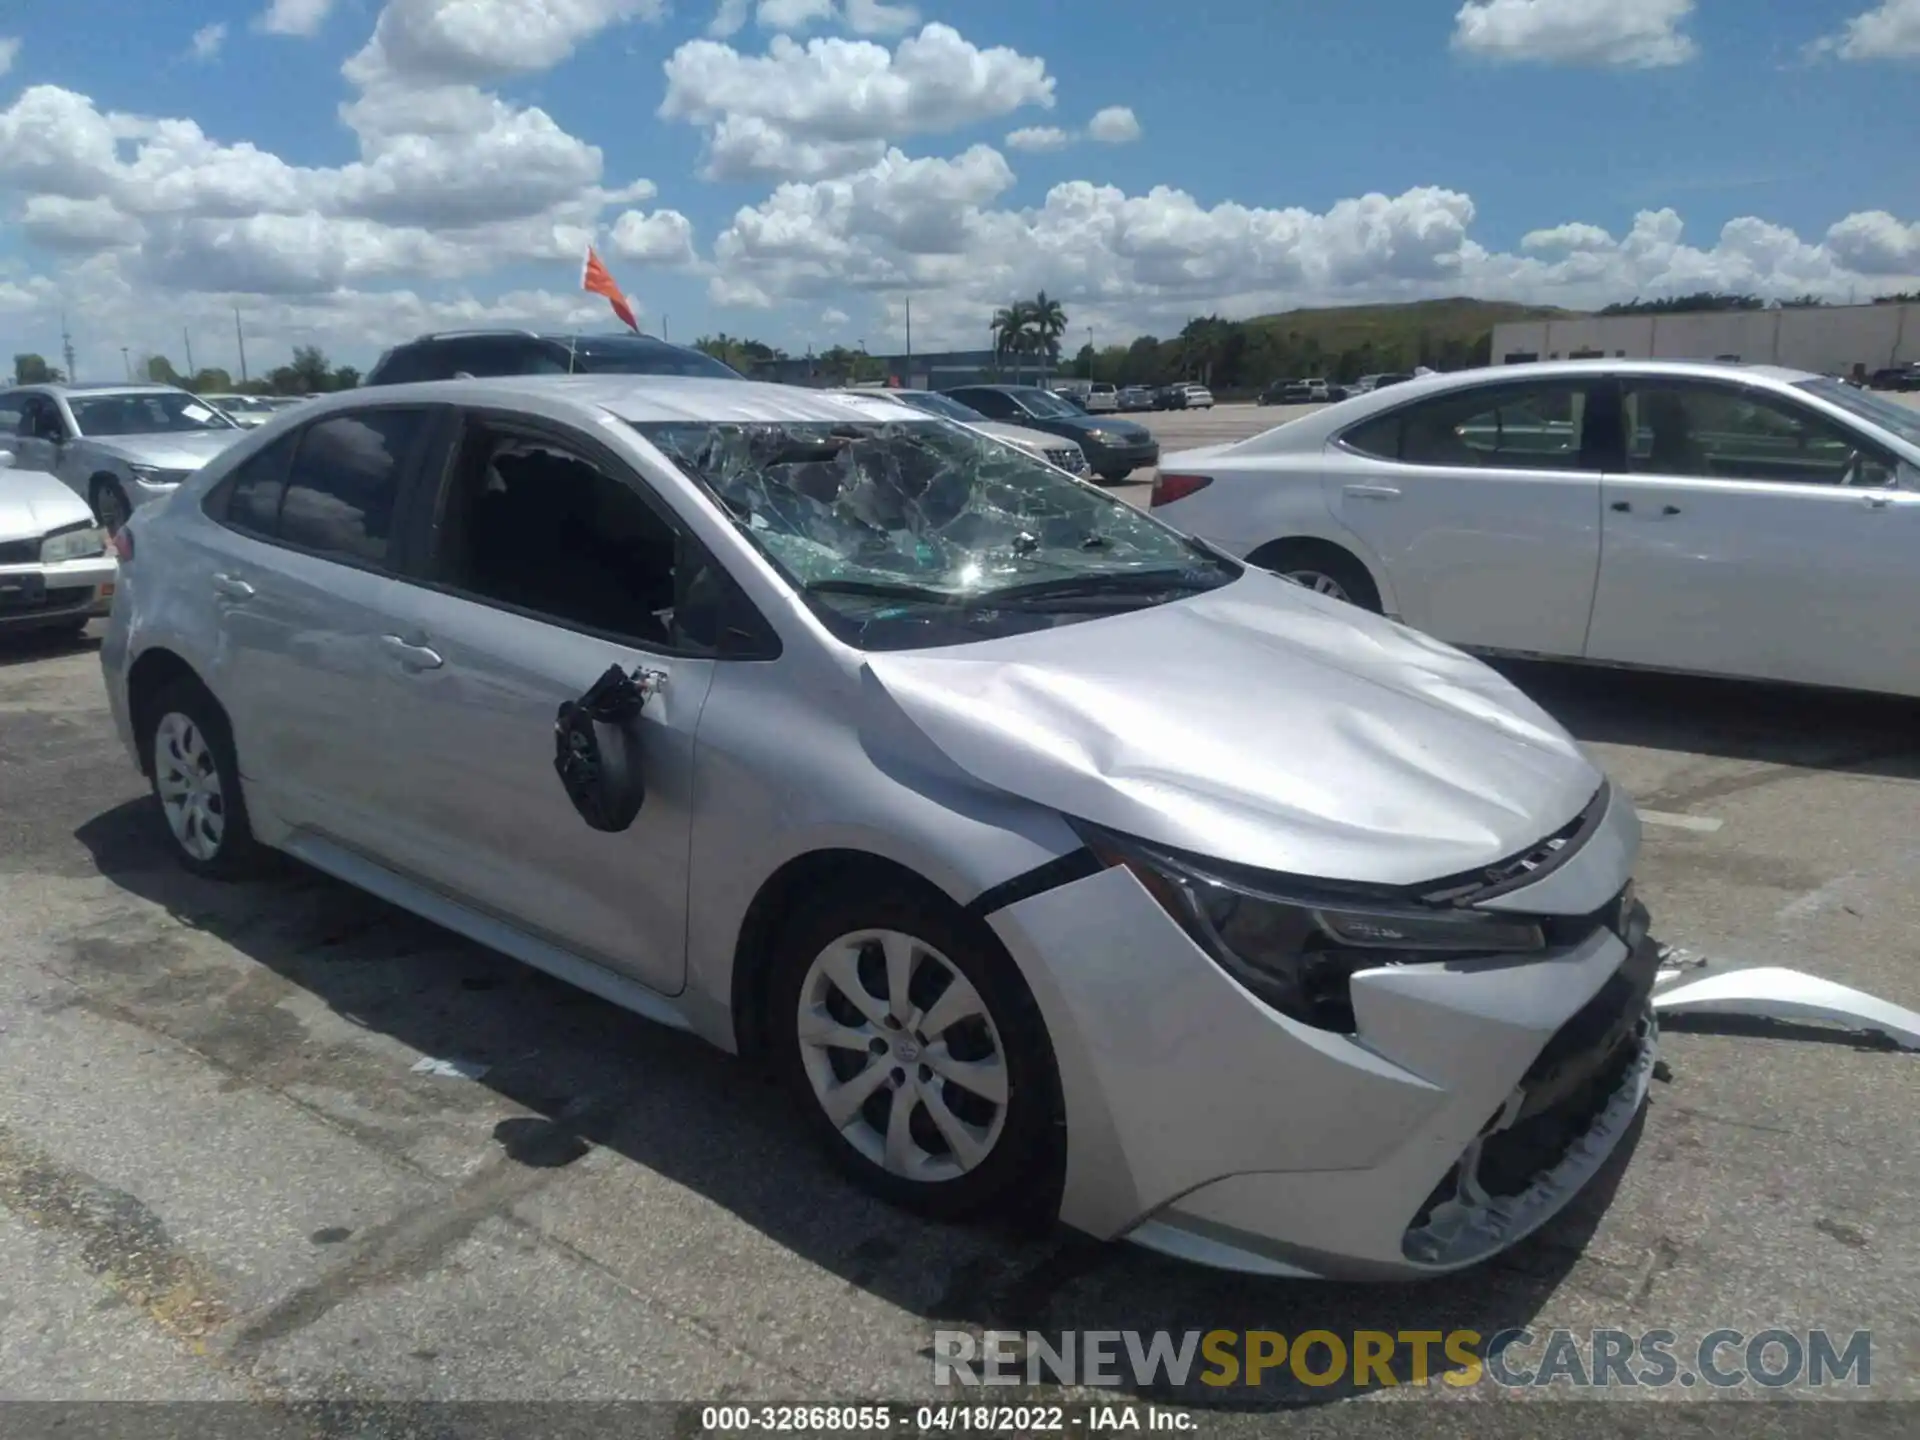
point(1728, 719)
point(576, 1072)
point(30, 647)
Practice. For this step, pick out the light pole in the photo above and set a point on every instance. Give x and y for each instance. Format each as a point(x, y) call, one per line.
point(1089, 354)
point(127, 361)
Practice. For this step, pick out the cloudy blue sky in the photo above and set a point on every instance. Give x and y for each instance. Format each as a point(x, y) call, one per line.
point(350, 172)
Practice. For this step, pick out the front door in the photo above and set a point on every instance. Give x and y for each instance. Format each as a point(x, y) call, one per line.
point(549, 564)
point(1483, 508)
point(1749, 535)
point(42, 436)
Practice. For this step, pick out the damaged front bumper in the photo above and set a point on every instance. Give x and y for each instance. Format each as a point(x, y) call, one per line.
point(1474, 1101)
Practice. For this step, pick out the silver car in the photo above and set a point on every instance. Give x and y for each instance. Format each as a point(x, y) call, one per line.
point(116, 446)
point(55, 569)
point(1054, 449)
point(1048, 856)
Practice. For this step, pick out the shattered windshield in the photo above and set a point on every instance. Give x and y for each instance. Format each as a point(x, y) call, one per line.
point(910, 533)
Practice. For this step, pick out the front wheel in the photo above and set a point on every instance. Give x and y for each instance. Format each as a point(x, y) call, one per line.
point(919, 1055)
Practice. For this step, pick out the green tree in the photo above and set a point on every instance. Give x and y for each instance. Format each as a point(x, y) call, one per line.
point(211, 381)
point(1046, 322)
point(160, 371)
point(1012, 331)
point(31, 369)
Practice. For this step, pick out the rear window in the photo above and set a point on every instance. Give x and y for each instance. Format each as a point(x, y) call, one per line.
point(644, 357)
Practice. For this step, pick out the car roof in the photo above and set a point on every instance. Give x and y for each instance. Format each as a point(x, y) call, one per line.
point(1313, 430)
point(103, 388)
point(643, 399)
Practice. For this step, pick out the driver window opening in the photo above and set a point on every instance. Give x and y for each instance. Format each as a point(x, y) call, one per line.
point(534, 525)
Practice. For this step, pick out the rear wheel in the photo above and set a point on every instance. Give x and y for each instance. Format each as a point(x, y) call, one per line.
point(1322, 568)
point(196, 781)
point(918, 1053)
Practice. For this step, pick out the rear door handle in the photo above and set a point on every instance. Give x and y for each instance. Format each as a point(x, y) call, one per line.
point(232, 587)
point(410, 655)
point(1373, 492)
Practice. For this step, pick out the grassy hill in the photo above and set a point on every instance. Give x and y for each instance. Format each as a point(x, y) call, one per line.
point(1351, 327)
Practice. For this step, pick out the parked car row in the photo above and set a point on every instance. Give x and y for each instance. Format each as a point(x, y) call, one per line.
point(1896, 377)
point(1042, 760)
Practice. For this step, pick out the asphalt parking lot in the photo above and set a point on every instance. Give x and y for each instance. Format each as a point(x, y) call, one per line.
point(222, 1174)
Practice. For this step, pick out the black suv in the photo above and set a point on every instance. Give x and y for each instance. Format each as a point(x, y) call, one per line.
point(484, 353)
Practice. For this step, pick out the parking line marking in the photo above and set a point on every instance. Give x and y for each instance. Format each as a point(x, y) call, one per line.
point(1705, 824)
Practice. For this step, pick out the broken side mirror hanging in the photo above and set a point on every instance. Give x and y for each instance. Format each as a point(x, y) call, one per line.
point(596, 747)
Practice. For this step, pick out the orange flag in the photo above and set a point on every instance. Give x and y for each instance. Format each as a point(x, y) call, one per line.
point(595, 278)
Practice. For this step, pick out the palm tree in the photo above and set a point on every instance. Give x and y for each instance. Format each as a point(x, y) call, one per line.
point(1010, 329)
point(1047, 320)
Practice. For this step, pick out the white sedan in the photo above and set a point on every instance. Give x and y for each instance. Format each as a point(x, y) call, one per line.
point(1720, 519)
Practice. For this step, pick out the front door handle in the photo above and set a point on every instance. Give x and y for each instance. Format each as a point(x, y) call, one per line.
point(412, 657)
point(1669, 509)
point(1373, 492)
point(1621, 507)
point(232, 587)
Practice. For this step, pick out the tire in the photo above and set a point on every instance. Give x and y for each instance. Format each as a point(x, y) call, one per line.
point(1323, 568)
point(196, 783)
point(1114, 477)
point(106, 495)
point(1013, 1117)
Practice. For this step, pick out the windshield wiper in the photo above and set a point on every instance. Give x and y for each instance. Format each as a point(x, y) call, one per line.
point(883, 590)
point(1120, 583)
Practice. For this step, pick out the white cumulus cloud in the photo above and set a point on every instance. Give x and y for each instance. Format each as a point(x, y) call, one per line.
point(295, 17)
point(1114, 125)
point(1889, 31)
point(1636, 33)
point(831, 106)
point(207, 41)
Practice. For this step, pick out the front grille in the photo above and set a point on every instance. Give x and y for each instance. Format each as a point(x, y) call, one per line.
point(1537, 1142)
point(1478, 886)
point(59, 598)
point(1591, 1040)
point(1074, 460)
point(20, 552)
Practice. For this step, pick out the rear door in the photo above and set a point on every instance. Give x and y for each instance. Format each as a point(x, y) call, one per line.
point(301, 575)
point(1483, 507)
point(1749, 534)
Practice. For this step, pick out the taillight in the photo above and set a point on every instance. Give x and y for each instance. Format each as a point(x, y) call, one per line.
point(1169, 488)
point(123, 545)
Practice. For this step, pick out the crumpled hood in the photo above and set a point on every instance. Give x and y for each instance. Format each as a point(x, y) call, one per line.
point(1260, 724)
point(32, 503)
point(186, 451)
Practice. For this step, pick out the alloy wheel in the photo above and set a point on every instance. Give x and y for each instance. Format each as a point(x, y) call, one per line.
point(188, 782)
point(903, 1056)
point(1320, 583)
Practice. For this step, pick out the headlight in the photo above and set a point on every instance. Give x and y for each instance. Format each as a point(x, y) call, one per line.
point(78, 542)
point(154, 475)
point(1298, 946)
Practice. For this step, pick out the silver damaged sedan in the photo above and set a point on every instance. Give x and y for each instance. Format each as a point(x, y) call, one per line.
point(1051, 857)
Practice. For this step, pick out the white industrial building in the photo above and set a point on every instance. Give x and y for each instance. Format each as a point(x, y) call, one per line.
point(1830, 339)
